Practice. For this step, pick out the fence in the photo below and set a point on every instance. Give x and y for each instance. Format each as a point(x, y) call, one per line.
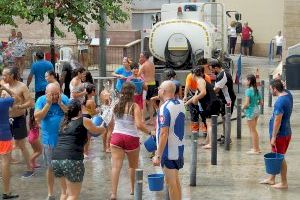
point(114, 53)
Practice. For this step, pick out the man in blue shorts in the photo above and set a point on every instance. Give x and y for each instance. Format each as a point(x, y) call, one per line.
point(49, 110)
point(280, 129)
point(169, 137)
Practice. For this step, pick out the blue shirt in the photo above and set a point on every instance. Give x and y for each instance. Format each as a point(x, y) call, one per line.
point(171, 115)
point(254, 100)
point(5, 133)
point(50, 125)
point(38, 69)
point(122, 71)
point(284, 106)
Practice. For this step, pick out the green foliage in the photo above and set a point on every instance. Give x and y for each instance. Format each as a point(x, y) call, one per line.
point(73, 14)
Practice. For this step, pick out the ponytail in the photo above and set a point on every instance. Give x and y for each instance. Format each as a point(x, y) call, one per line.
point(74, 108)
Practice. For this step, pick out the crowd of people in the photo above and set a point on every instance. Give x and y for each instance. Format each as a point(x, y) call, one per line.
point(61, 116)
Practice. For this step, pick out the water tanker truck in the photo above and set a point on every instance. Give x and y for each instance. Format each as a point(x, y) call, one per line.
point(188, 33)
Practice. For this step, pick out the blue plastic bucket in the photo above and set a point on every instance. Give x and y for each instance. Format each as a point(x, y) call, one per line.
point(97, 121)
point(156, 182)
point(150, 144)
point(273, 162)
point(138, 85)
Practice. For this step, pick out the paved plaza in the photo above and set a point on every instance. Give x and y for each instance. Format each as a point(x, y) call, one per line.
point(235, 177)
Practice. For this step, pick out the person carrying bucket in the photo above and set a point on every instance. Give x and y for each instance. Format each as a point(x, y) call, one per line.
point(280, 129)
point(169, 138)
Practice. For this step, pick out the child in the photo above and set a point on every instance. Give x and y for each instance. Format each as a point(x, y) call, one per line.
point(105, 100)
point(89, 110)
point(251, 108)
point(33, 139)
point(139, 85)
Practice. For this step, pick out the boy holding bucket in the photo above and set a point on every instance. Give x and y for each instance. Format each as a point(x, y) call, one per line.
point(169, 137)
point(139, 85)
point(280, 129)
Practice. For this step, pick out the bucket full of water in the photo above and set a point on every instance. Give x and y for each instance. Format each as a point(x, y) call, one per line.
point(273, 162)
point(150, 144)
point(156, 182)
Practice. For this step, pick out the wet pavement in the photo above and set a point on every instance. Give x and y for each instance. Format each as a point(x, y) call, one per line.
point(235, 177)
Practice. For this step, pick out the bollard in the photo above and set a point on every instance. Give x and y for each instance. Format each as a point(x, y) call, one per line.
point(270, 92)
point(138, 188)
point(239, 119)
point(167, 196)
point(262, 97)
point(227, 127)
point(193, 171)
point(214, 130)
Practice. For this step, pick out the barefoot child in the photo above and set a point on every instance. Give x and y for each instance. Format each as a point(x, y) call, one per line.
point(105, 100)
point(33, 139)
point(139, 85)
point(89, 110)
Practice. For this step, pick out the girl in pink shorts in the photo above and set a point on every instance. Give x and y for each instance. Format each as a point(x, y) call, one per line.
point(125, 139)
point(34, 140)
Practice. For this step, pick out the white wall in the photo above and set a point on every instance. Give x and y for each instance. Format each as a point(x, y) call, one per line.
point(265, 17)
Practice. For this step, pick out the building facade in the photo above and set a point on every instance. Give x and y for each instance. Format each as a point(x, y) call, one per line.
point(265, 17)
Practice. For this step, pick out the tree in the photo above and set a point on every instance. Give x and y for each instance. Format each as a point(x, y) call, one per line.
point(73, 14)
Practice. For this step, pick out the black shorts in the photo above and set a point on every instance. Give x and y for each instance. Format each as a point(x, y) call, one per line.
point(223, 104)
point(172, 164)
point(232, 42)
point(212, 109)
point(245, 43)
point(19, 128)
point(151, 92)
point(39, 94)
point(279, 50)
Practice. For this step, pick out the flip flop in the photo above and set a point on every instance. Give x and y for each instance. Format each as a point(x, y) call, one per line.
point(253, 152)
point(267, 182)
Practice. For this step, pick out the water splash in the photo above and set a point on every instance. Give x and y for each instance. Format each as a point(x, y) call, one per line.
point(107, 110)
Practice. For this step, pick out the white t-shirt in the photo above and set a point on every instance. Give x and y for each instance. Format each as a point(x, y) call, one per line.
point(279, 40)
point(232, 32)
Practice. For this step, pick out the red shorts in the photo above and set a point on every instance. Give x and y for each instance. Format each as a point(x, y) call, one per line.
point(125, 142)
point(282, 144)
point(138, 99)
point(6, 147)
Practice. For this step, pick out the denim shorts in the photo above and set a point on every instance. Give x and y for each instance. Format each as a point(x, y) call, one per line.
point(73, 170)
point(47, 155)
point(255, 113)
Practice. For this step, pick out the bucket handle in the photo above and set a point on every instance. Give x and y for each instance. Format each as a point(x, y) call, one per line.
point(275, 150)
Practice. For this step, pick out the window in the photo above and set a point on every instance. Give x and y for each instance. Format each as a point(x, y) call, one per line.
point(190, 8)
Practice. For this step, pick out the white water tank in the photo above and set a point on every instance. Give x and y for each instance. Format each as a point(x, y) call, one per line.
point(200, 35)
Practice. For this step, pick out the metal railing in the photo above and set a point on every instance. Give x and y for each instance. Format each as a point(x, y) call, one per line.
point(115, 54)
point(271, 52)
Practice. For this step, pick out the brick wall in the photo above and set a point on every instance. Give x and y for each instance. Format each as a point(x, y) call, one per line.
point(40, 32)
